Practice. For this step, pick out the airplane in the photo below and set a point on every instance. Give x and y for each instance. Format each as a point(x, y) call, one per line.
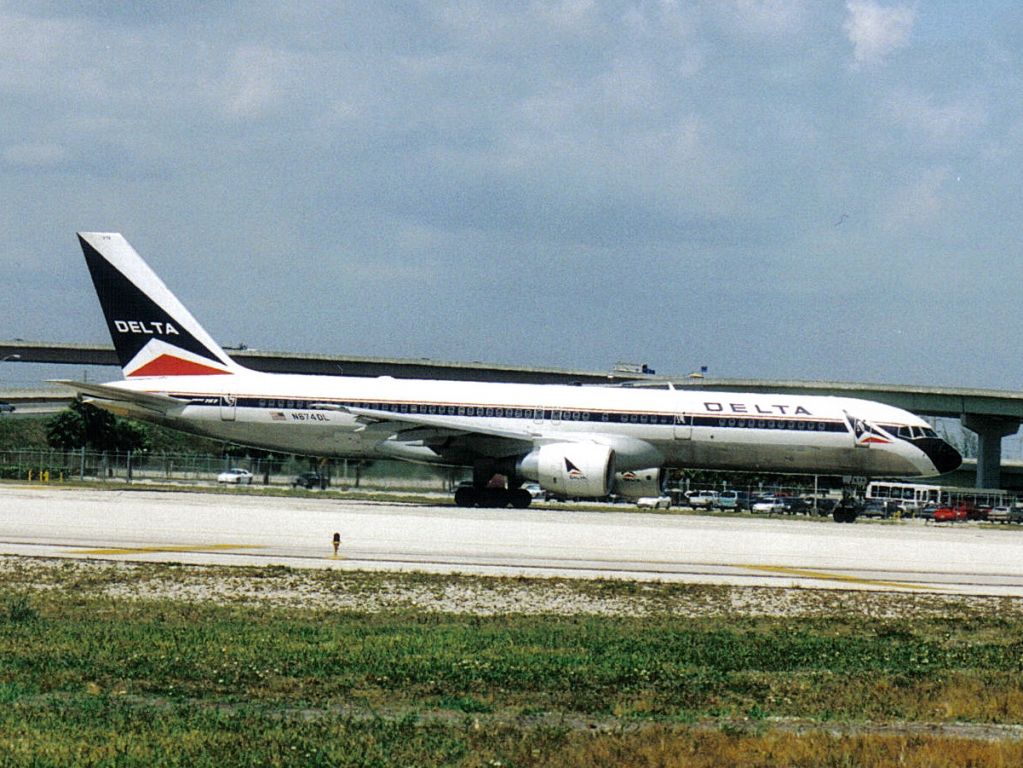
point(574, 441)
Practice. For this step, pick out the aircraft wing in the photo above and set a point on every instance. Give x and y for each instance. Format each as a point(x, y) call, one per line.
point(105, 394)
point(437, 429)
point(448, 424)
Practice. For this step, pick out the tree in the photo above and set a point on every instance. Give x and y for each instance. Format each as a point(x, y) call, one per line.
point(84, 425)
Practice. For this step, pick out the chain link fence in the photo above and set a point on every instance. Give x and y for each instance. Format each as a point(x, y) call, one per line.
point(54, 465)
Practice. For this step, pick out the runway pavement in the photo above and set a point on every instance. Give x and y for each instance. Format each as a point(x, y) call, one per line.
point(49, 521)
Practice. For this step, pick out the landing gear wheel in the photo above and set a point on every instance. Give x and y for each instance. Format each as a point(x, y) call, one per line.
point(496, 498)
point(520, 498)
point(465, 497)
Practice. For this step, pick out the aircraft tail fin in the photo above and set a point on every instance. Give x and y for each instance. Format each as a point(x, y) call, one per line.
point(153, 333)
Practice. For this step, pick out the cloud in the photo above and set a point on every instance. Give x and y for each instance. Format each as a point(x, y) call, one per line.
point(875, 31)
point(256, 81)
point(938, 125)
point(634, 168)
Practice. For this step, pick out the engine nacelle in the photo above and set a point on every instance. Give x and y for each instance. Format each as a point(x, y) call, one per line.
point(638, 483)
point(571, 469)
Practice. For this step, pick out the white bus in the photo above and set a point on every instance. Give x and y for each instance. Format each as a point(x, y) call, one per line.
point(912, 497)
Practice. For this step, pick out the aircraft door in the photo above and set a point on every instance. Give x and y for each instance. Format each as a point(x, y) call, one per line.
point(865, 434)
point(683, 426)
point(228, 405)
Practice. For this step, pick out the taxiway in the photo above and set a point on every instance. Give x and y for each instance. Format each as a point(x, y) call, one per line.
point(250, 529)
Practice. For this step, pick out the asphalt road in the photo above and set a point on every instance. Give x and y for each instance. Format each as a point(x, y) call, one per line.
point(241, 529)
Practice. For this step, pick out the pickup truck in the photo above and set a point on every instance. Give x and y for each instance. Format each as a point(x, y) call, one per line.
point(702, 499)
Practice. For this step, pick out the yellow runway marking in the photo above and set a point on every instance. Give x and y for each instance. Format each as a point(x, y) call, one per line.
point(825, 576)
point(171, 548)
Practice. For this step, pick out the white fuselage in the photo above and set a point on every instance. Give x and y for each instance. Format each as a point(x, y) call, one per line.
point(446, 422)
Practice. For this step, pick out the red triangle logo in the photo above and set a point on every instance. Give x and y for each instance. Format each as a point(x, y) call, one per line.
point(166, 365)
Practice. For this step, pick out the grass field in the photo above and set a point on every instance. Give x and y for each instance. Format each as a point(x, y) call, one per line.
point(106, 664)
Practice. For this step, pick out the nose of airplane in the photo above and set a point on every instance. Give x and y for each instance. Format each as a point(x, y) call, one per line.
point(944, 457)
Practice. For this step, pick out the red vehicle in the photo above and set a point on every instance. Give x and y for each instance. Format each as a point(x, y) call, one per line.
point(951, 513)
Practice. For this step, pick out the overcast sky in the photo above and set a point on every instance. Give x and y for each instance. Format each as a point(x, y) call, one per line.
point(772, 188)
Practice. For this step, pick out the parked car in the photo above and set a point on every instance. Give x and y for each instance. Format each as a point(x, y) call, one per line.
point(702, 499)
point(794, 505)
point(769, 504)
point(235, 476)
point(951, 513)
point(536, 491)
point(875, 508)
point(309, 480)
point(978, 513)
point(654, 502)
point(909, 508)
point(999, 514)
point(927, 511)
point(6, 408)
point(737, 500)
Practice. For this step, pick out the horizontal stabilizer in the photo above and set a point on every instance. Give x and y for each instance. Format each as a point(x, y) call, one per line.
point(147, 400)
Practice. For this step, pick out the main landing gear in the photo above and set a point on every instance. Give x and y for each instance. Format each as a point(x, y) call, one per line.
point(470, 496)
point(491, 479)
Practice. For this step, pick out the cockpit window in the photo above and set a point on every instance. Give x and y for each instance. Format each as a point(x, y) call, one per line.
point(915, 433)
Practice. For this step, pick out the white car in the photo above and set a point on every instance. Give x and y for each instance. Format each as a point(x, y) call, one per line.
point(235, 476)
point(999, 515)
point(768, 504)
point(654, 502)
point(535, 491)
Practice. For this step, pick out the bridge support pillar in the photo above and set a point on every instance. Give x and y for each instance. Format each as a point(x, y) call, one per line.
point(990, 431)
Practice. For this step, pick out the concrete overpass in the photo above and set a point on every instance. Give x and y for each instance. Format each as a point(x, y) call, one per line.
point(328, 365)
point(991, 414)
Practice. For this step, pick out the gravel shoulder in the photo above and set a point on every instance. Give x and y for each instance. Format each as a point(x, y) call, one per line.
point(336, 590)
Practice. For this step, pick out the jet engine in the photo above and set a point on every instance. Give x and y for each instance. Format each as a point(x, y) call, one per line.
point(638, 483)
point(571, 469)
